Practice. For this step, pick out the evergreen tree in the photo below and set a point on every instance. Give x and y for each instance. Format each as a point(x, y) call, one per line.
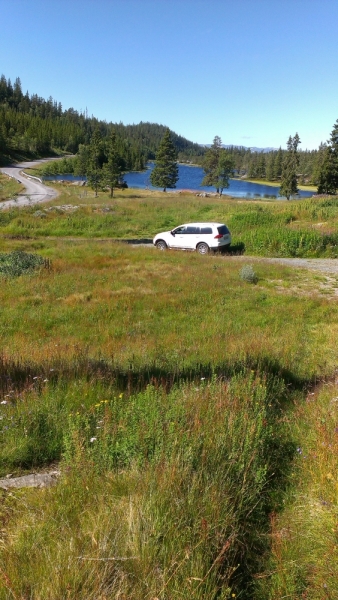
point(278, 164)
point(218, 165)
point(225, 170)
point(270, 166)
point(328, 176)
point(261, 166)
point(165, 172)
point(290, 166)
point(82, 161)
point(211, 164)
point(112, 169)
point(94, 171)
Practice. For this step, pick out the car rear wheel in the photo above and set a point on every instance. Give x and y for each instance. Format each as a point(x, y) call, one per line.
point(202, 248)
point(161, 245)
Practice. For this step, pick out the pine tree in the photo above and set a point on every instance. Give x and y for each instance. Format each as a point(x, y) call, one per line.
point(328, 175)
point(165, 172)
point(290, 166)
point(270, 166)
point(211, 163)
point(94, 171)
point(112, 169)
point(278, 164)
point(225, 170)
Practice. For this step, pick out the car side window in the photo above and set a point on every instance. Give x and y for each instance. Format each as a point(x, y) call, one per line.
point(206, 230)
point(180, 230)
point(193, 230)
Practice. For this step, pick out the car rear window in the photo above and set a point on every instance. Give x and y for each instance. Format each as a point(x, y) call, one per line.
point(206, 230)
point(223, 229)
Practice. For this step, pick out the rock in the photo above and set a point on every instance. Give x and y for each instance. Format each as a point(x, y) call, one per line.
point(40, 480)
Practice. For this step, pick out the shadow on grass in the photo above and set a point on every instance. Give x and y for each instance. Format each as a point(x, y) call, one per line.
point(277, 451)
point(16, 375)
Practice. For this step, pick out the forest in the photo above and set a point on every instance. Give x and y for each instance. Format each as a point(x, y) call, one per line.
point(32, 127)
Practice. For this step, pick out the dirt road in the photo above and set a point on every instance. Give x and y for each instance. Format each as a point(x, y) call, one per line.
point(36, 191)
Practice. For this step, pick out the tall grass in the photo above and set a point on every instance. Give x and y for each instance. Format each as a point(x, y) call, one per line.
point(164, 385)
point(189, 477)
point(304, 536)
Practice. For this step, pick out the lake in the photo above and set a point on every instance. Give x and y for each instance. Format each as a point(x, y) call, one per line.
point(190, 178)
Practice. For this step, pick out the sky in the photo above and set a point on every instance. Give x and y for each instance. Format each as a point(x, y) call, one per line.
point(253, 72)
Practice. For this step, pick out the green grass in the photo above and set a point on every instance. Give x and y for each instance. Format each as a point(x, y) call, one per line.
point(305, 228)
point(171, 392)
point(189, 476)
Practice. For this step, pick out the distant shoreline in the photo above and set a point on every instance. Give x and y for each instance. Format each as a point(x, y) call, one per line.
point(305, 188)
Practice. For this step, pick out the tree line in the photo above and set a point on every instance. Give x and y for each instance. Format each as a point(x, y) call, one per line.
point(219, 166)
point(31, 126)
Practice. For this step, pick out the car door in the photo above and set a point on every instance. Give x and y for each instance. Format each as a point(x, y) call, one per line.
point(193, 236)
point(178, 237)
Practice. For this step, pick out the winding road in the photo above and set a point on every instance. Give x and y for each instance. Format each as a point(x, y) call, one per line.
point(36, 191)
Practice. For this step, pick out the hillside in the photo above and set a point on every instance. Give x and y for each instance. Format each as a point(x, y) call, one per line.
point(31, 126)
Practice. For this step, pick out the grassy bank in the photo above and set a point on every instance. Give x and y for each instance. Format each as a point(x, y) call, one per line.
point(170, 391)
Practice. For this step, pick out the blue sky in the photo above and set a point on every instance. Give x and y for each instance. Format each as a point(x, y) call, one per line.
point(251, 71)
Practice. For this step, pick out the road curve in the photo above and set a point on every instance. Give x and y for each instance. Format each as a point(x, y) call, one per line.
point(36, 191)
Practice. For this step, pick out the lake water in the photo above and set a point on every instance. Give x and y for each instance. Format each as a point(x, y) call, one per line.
point(190, 178)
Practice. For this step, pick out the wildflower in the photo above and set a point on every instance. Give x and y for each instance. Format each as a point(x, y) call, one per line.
point(121, 396)
point(4, 402)
point(299, 450)
point(202, 378)
point(92, 439)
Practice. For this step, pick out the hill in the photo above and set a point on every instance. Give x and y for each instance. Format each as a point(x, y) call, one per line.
point(31, 126)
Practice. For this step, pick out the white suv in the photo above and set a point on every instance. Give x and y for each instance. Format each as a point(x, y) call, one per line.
point(202, 237)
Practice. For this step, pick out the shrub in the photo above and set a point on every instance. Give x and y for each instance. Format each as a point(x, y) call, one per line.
point(248, 274)
point(19, 263)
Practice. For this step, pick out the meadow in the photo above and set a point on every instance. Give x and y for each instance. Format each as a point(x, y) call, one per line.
point(191, 412)
point(305, 228)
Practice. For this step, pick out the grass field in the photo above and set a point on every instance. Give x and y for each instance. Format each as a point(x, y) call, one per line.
point(299, 228)
point(179, 400)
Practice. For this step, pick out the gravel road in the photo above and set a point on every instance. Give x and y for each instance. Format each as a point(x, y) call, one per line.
point(36, 191)
point(323, 265)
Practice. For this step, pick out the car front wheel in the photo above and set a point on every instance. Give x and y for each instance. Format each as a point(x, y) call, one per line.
point(202, 248)
point(161, 245)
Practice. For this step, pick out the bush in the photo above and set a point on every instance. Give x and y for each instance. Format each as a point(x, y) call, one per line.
point(19, 263)
point(248, 274)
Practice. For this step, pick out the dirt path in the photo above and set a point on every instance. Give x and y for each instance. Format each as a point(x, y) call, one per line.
point(36, 191)
point(323, 265)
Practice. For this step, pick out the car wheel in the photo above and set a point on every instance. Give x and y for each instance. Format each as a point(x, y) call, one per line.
point(161, 245)
point(202, 248)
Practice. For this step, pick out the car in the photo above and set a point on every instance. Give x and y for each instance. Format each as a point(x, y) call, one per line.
point(202, 237)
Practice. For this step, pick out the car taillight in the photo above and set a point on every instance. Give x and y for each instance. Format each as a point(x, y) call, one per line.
point(219, 236)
